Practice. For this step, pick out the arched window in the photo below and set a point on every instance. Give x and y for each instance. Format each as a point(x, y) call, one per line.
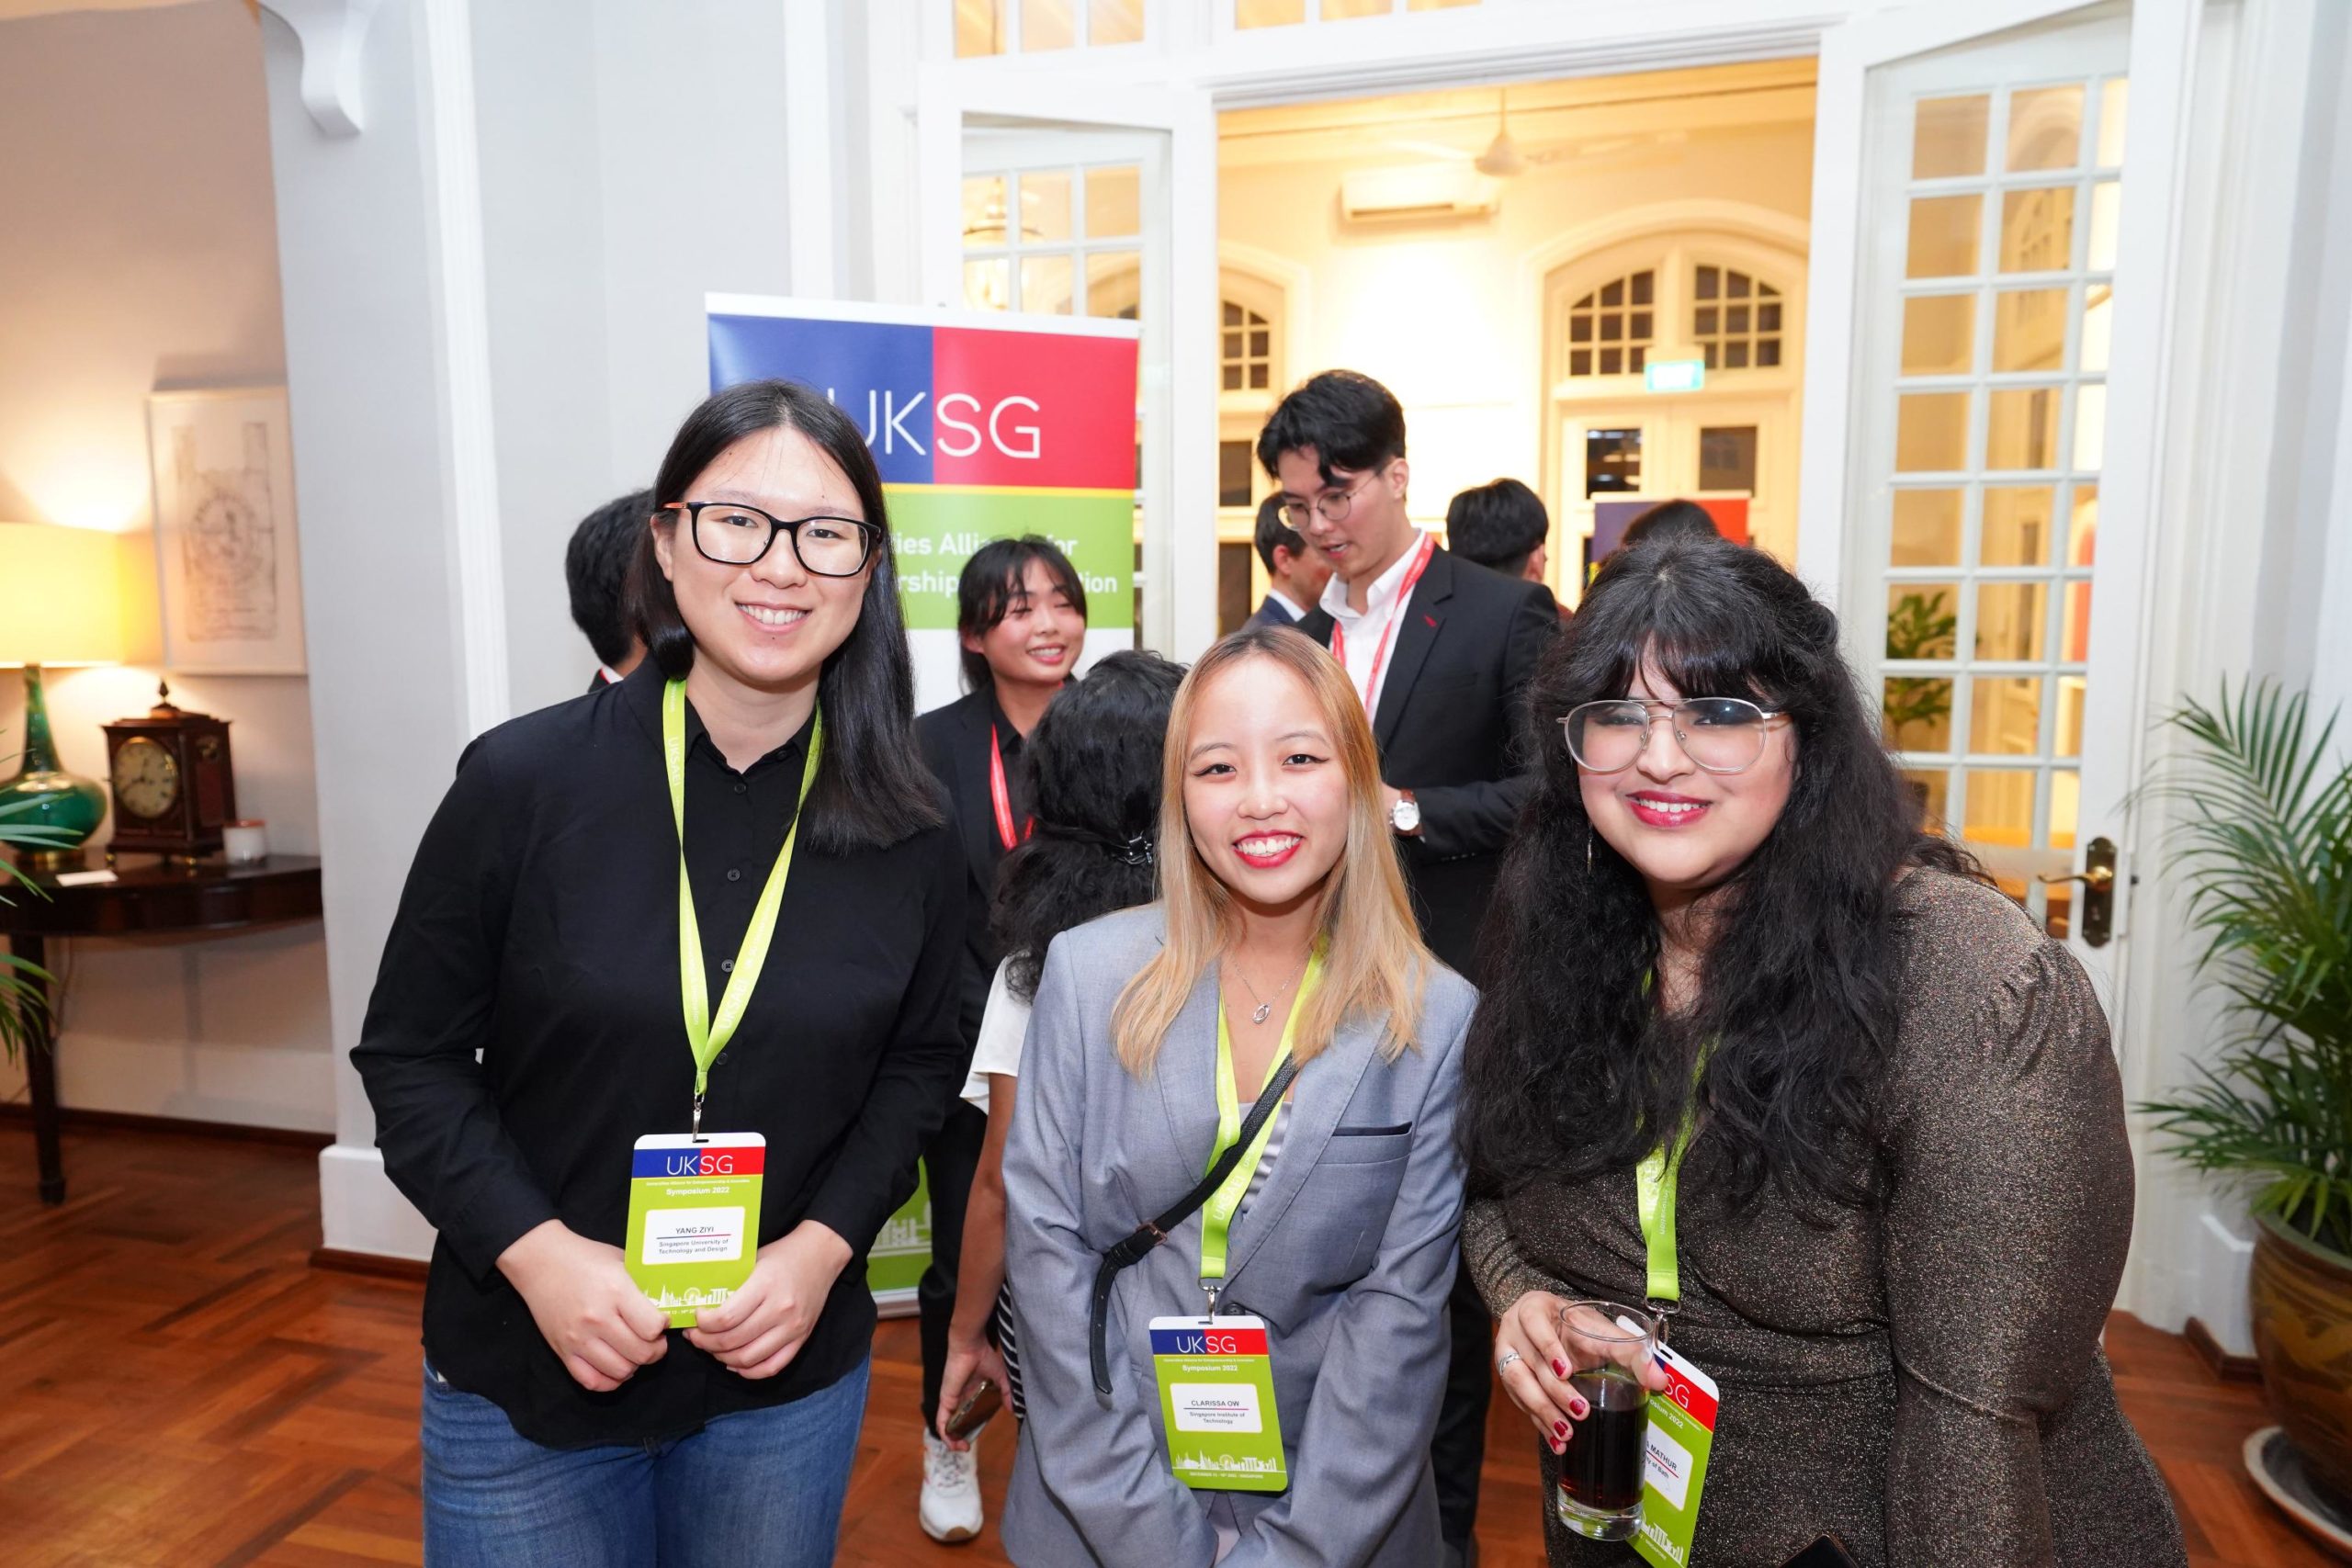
point(1734, 319)
point(1610, 330)
point(1246, 352)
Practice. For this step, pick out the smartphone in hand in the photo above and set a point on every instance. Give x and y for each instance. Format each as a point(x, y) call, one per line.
point(972, 1413)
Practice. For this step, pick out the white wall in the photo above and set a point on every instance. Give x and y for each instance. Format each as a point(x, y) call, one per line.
point(138, 253)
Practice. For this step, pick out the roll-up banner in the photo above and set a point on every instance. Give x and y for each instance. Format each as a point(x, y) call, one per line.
point(984, 427)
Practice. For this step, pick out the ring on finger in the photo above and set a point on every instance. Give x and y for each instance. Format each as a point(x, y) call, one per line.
point(1505, 1360)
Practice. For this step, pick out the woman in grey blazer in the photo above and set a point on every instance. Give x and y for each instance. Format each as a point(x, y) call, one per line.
point(1282, 933)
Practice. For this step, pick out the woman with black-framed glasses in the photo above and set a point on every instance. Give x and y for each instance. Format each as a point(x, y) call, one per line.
point(1761, 1052)
point(666, 1014)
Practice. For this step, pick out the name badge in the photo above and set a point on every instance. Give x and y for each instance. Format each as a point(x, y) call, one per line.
point(694, 1218)
point(1216, 1402)
point(1681, 1431)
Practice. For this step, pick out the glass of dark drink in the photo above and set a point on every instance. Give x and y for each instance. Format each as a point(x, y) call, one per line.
point(1608, 1344)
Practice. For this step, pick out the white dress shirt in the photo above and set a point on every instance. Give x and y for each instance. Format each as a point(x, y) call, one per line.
point(1367, 630)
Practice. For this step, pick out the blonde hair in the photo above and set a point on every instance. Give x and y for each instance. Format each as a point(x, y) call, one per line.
point(1374, 966)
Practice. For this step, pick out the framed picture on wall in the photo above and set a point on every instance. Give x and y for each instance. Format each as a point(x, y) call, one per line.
point(225, 558)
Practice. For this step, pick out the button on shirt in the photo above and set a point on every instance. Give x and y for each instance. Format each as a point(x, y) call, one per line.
point(540, 928)
point(1364, 631)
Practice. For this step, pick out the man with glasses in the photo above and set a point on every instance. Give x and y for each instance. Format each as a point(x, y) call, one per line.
point(1440, 650)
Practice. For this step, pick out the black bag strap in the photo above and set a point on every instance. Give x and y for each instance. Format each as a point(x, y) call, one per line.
point(1132, 1248)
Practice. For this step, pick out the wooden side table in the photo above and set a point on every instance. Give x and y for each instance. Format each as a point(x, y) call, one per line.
point(144, 898)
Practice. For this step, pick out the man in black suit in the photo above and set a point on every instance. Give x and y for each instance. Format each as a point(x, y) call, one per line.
point(595, 571)
point(1298, 574)
point(1441, 650)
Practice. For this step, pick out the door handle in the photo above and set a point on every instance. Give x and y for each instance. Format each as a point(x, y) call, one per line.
point(2098, 877)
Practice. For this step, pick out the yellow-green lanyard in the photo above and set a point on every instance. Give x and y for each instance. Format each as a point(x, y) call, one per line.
point(1655, 1180)
point(1217, 1214)
point(705, 1035)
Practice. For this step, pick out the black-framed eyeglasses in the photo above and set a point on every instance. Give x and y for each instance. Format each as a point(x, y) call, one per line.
point(734, 534)
point(1721, 735)
point(1334, 504)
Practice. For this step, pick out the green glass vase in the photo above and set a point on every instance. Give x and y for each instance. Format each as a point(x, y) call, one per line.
point(44, 795)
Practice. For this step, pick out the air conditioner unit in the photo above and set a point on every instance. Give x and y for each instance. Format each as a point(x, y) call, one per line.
point(1417, 191)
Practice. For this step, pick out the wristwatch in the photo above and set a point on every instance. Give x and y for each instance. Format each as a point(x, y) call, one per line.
point(1404, 817)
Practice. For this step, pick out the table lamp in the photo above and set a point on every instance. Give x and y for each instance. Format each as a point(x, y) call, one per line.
point(59, 605)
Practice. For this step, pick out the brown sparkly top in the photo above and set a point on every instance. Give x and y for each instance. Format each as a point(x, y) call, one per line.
point(1922, 1380)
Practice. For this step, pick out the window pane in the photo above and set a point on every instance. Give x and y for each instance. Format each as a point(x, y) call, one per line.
point(1113, 284)
point(1948, 136)
point(2000, 807)
point(1927, 528)
point(1931, 792)
point(1614, 293)
point(1735, 354)
point(2065, 808)
point(1047, 24)
point(1046, 284)
point(2046, 129)
point(985, 285)
point(1641, 287)
point(1943, 237)
point(1113, 202)
point(1044, 205)
point(984, 209)
point(1233, 470)
point(1613, 361)
point(2099, 325)
point(2074, 636)
point(1727, 458)
point(1916, 713)
point(1115, 21)
point(2090, 426)
point(1708, 283)
point(2068, 741)
point(1345, 11)
point(2038, 230)
point(2023, 430)
point(2107, 199)
point(2016, 530)
point(980, 28)
point(1930, 432)
point(1269, 12)
point(2082, 528)
point(1938, 335)
point(2114, 95)
point(2029, 329)
point(1922, 620)
point(2009, 620)
point(1612, 461)
point(2005, 715)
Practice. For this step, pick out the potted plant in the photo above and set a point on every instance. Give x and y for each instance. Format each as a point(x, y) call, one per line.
point(2263, 842)
point(22, 999)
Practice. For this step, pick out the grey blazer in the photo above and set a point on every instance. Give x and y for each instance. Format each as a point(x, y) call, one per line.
point(1347, 1253)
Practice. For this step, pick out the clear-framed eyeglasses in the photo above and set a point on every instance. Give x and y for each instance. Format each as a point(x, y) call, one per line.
point(1721, 735)
point(734, 534)
point(1334, 504)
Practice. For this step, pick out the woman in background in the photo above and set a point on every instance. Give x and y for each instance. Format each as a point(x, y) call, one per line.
point(1883, 1098)
point(1281, 940)
point(1093, 769)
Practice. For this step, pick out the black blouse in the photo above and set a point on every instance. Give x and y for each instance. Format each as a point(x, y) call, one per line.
point(540, 928)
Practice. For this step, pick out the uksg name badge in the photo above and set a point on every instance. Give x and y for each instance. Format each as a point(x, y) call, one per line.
point(1216, 1402)
point(1674, 1471)
point(694, 1218)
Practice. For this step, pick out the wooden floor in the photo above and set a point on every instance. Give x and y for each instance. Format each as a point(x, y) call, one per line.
point(179, 1387)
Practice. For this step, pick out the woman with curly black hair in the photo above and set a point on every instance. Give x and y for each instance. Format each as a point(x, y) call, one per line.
point(1884, 1099)
point(1092, 769)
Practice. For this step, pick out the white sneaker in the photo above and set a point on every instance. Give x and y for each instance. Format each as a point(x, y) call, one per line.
point(951, 1492)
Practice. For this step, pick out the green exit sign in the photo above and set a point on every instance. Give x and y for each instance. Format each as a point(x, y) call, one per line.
point(1674, 375)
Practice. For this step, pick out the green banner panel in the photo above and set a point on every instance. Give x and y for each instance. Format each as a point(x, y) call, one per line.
point(939, 527)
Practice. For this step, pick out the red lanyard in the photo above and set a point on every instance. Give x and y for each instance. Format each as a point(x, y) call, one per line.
point(1395, 613)
point(1001, 798)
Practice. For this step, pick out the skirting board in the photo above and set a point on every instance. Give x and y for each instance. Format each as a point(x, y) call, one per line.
point(367, 1263)
point(2224, 1365)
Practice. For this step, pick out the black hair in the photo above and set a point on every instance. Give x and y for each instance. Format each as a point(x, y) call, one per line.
point(595, 570)
point(872, 787)
point(990, 587)
point(1273, 531)
point(1670, 520)
point(1570, 1070)
point(1351, 421)
point(1497, 525)
point(1093, 769)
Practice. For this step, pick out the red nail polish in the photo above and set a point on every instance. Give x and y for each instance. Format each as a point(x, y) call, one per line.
point(1581, 1409)
point(1559, 1369)
point(1560, 1429)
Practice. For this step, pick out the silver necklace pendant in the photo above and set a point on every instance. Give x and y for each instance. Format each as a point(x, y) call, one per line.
point(1265, 1009)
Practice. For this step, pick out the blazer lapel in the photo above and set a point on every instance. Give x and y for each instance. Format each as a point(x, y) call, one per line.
point(1424, 617)
point(1320, 1097)
point(1186, 1069)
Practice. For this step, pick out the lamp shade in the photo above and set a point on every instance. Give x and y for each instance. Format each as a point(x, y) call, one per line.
point(59, 599)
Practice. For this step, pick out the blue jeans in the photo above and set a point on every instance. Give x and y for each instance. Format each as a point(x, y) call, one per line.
point(762, 1487)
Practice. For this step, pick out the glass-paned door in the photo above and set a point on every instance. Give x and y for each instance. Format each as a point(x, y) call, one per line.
point(1990, 584)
